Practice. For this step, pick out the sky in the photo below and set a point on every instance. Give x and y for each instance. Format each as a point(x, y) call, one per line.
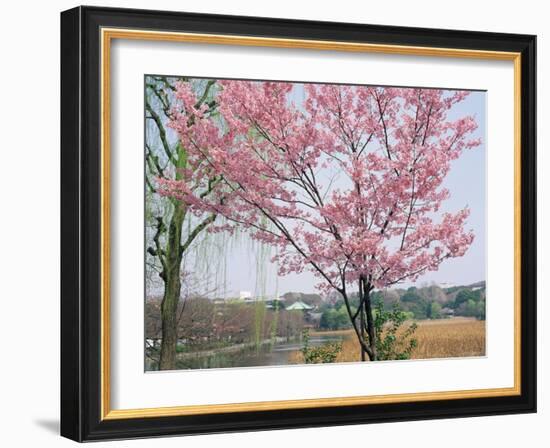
point(243, 266)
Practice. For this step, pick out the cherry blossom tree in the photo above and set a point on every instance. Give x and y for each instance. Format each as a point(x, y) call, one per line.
point(345, 183)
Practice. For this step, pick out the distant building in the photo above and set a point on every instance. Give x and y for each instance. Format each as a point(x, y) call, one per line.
point(300, 306)
point(247, 297)
point(277, 303)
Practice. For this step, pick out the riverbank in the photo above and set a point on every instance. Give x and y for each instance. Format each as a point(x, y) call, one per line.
point(235, 348)
point(271, 352)
point(440, 338)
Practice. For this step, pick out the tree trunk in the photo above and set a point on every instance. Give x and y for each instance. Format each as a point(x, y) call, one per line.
point(371, 330)
point(172, 290)
point(362, 320)
point(359, 329)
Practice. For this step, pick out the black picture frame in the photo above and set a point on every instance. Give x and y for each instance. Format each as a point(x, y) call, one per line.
point(81, 224)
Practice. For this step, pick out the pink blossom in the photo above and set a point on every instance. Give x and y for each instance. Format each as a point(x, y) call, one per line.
point(391, 149)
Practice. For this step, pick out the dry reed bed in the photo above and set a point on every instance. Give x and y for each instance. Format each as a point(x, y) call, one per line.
point(445, 338)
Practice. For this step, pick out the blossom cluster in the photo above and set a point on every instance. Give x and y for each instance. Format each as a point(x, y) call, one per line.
point(346, 183)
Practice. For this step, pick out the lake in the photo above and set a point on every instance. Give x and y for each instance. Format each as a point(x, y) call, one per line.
point(276, 354)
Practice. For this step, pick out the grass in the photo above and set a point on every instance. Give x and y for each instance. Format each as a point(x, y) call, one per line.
point(450, 338)
point(443, 338)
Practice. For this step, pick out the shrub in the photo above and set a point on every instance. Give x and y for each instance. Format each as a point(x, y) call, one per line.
point(326, 353)
point(392, 341)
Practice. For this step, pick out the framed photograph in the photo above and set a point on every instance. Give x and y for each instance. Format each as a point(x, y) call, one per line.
point(273, 223)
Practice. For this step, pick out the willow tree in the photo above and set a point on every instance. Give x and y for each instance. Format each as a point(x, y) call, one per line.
point(346, 184)
point(171, 229)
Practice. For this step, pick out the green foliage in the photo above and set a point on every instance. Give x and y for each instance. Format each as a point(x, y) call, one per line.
point(434, 310)
point(419, 301)
point(326, 353)
point(334, 319)
point(377, 296)
point(470, 308)
point(388, 296)
point(474, 309)
point(480, 311)
point(390, 342)
point(415, 303)
point(419, 308)
point(411, 295)
point(465, 295)
point(470, 303)
point(277, 305)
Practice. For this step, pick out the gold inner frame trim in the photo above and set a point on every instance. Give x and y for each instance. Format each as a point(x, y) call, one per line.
point(107, 35)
